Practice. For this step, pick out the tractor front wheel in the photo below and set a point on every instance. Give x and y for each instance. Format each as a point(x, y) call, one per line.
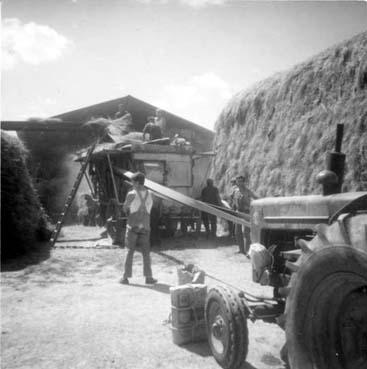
point(226, 327)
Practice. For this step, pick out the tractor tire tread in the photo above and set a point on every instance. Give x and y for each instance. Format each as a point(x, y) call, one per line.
point(344, 244)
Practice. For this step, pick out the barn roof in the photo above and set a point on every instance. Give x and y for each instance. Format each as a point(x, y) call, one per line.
point(201, 138)
point(139, 110)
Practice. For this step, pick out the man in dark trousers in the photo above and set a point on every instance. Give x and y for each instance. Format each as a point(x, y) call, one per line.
point(137, 206)
point(241, 202)
point(210, 194)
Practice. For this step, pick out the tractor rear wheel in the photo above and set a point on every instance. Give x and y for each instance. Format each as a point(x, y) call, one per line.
point(226, 320)
point(326, 310)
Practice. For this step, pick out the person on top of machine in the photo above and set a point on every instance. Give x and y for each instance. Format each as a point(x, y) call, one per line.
point(161, 121)
point(121, 111)
point(152, 130)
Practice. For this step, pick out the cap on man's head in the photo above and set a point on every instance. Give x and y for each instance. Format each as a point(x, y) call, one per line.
point(138, 177)
point(244, 177)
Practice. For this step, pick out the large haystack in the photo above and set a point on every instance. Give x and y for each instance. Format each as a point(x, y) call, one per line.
point(280, 129)
point(23, 222)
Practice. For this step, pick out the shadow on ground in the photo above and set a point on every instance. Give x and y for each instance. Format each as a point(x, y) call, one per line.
point(203, 349)
point(199, 348)
point(31, 258)
point(79, 240)
point(191, 241)
point(159, 287)
point(169, 257)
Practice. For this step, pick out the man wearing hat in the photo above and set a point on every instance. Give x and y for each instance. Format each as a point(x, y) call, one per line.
point(241, 202)
point(137, 206)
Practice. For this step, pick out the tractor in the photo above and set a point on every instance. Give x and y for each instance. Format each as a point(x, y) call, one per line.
point(313, 251)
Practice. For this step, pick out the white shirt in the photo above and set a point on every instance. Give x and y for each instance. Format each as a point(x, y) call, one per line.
point(162, 123)
point(134, 206)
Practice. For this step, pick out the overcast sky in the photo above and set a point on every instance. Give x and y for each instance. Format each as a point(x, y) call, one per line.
point(186, 56)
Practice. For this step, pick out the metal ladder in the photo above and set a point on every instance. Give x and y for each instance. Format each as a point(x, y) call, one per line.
point(72, 194)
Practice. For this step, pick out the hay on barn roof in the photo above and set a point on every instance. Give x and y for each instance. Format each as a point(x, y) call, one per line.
point(97, 127)
point(108, 129)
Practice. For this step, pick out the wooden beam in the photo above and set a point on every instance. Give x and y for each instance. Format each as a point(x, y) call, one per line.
point(113, 178)
point(168, 193)
point(89, 183)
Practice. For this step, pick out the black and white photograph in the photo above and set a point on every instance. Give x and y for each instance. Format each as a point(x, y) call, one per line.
point(183, 184)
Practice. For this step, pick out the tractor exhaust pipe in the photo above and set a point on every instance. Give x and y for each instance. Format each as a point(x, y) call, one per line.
point(331, 179)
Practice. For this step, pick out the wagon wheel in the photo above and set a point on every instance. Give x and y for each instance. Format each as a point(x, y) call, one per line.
point(225, 316)
point(326, 310)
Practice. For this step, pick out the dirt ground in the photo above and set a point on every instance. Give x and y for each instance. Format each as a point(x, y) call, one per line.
point(65, 309)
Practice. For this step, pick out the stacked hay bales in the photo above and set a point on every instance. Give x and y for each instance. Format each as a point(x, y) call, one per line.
point(23, 221)
point(280, 129)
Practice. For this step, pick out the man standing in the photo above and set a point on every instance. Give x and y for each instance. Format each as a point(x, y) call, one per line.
point(241, 202)
point(137, 206)
point(161, 121)
point(121, 111)
point(232, 191)
point(210, 194)
point(152, 130)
